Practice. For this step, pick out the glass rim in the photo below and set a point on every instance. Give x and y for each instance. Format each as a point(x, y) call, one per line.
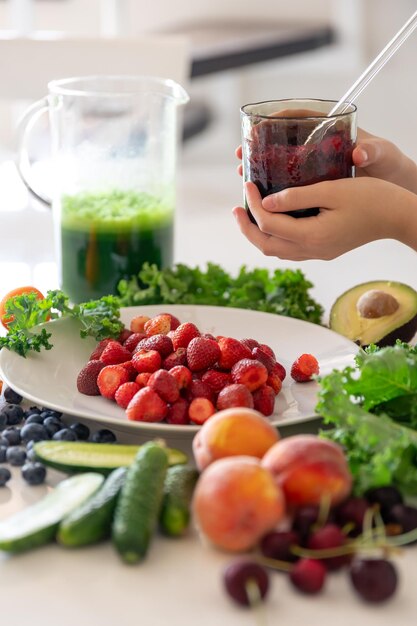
point(353, 109)
point(166, 86)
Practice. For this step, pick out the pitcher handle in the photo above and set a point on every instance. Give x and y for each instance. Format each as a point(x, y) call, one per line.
point(24, 167)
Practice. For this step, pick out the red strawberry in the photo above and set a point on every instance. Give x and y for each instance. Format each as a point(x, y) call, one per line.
point(146, 406)
point(130, 368)
point(202, 353)
point(178, 413)
point(142, 379)
point(160, 343)
point(200, 410)
point(232, 351)
point(110, 378)
point(252, 374)
point(158, 325)
point(125, 334)
point(268, 350)
point(175, 322)
point(250, 343)
point(87, 378)
point(147, 361)
point(137, 324)
point(304, 368)
point(198, 389)
point(96, 353)
point(182, 335)
point(280, 370)
point(125, 393)
point(274, 380)
point(264, 400)
point(132, 341)
point(182, 375)
point(165, 385)
point(260, 355)
point(114, 353)
point(234, 395)
point(217, 380)
point(179, 357)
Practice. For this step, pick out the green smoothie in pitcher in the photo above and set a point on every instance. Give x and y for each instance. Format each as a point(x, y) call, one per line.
point(107, 236)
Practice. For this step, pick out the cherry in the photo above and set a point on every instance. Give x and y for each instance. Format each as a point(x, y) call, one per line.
point(308, 576)
point(375, 580)
point(239, 575)
point(304, 520)
point(352, 512)
point(386, 497)
point(403, 515)
point(329, 536)
point(277, 545)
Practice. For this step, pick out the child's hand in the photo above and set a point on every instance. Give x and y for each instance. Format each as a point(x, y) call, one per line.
point(353, 212)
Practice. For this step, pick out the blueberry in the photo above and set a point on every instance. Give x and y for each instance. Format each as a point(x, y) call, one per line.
point(3, 420)
point(34, 432)
point(33, 409)
point(34, 473)
point(34, 418)
point(31, 454)
point(16, 455)
point(14, 414)
point(81, 430)
point(65, 434)
point(12, 435)
point(51, 412)
point(4, 441)
point(103, 436)
point(5, 475)
point(12, 396)
point(3, 450)
point(52, 425)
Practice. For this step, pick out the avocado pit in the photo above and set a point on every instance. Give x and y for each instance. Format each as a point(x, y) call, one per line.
point(376, 303)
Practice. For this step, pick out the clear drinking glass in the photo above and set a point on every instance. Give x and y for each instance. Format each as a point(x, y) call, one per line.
point(114, 148)
point(280, 150)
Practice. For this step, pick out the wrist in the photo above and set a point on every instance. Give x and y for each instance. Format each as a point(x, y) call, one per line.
point(405, 227)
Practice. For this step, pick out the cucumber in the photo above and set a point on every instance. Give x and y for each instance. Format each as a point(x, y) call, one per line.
point(139, 503)
point(82, 456)
point(175, 514)
point(92, 520)
point(37, 524)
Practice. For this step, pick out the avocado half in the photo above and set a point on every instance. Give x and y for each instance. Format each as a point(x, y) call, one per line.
point(378, 312)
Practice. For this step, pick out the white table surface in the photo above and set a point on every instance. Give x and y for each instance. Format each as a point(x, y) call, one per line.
point(180, 582)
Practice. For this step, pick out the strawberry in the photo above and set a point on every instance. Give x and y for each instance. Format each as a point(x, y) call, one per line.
point(250, 343)
point(142, 379)
point(182, 375)
point(146, 361)
point(216, 379)
point(252, 374)
point(160, 343)
point(125, 393)
point(202, 353)
point(178, 413)
point(268, 350)
point(110, 378)
point(114, 353)
point(232, 351)
point(125, 334)
point(146, 406)
point(175, 322)
point(280, 370)
point(304, 368)
point(87, 378)
point(130, 368)
point(96, 353)
point(259, 354)
point(165, 385)
point(234, 395)
point(182, 335)
point(158, 325)
point(200, 410)
point(264, 400)
point(179, 357)
point(137, 324)
point(198, 389)
point(132, 341)
point(274, 380)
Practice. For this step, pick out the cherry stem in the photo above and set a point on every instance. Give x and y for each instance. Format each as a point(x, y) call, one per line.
point(255, 601)
point(276, 563)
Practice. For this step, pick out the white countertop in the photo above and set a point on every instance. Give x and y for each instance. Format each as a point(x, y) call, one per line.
point(180, 582)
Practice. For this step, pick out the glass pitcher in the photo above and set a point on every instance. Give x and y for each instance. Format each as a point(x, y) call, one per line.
point(114, 148)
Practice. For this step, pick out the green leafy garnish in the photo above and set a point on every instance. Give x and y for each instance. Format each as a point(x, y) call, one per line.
point(373, 408)
point(98, 318)
point(285, 292)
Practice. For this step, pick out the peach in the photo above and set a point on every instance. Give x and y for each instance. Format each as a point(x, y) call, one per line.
point(236, 501)
point(309, 468)
point(232, 432)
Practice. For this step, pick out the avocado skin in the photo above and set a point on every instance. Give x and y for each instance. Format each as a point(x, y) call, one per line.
point(384, 335)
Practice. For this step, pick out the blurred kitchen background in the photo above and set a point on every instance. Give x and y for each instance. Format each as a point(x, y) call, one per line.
point(236, 52)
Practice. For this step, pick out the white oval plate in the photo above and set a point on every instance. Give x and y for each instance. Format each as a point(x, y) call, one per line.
point(49, 378)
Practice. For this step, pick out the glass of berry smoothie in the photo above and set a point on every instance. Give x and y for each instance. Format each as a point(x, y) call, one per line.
point(290, 143)
point(114, 147)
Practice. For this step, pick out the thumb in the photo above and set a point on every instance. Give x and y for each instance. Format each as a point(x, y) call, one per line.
point(368, 152)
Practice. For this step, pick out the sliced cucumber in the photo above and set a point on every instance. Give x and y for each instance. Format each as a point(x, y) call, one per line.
point(37, 524)
point(82, 456)
point(91, 521)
